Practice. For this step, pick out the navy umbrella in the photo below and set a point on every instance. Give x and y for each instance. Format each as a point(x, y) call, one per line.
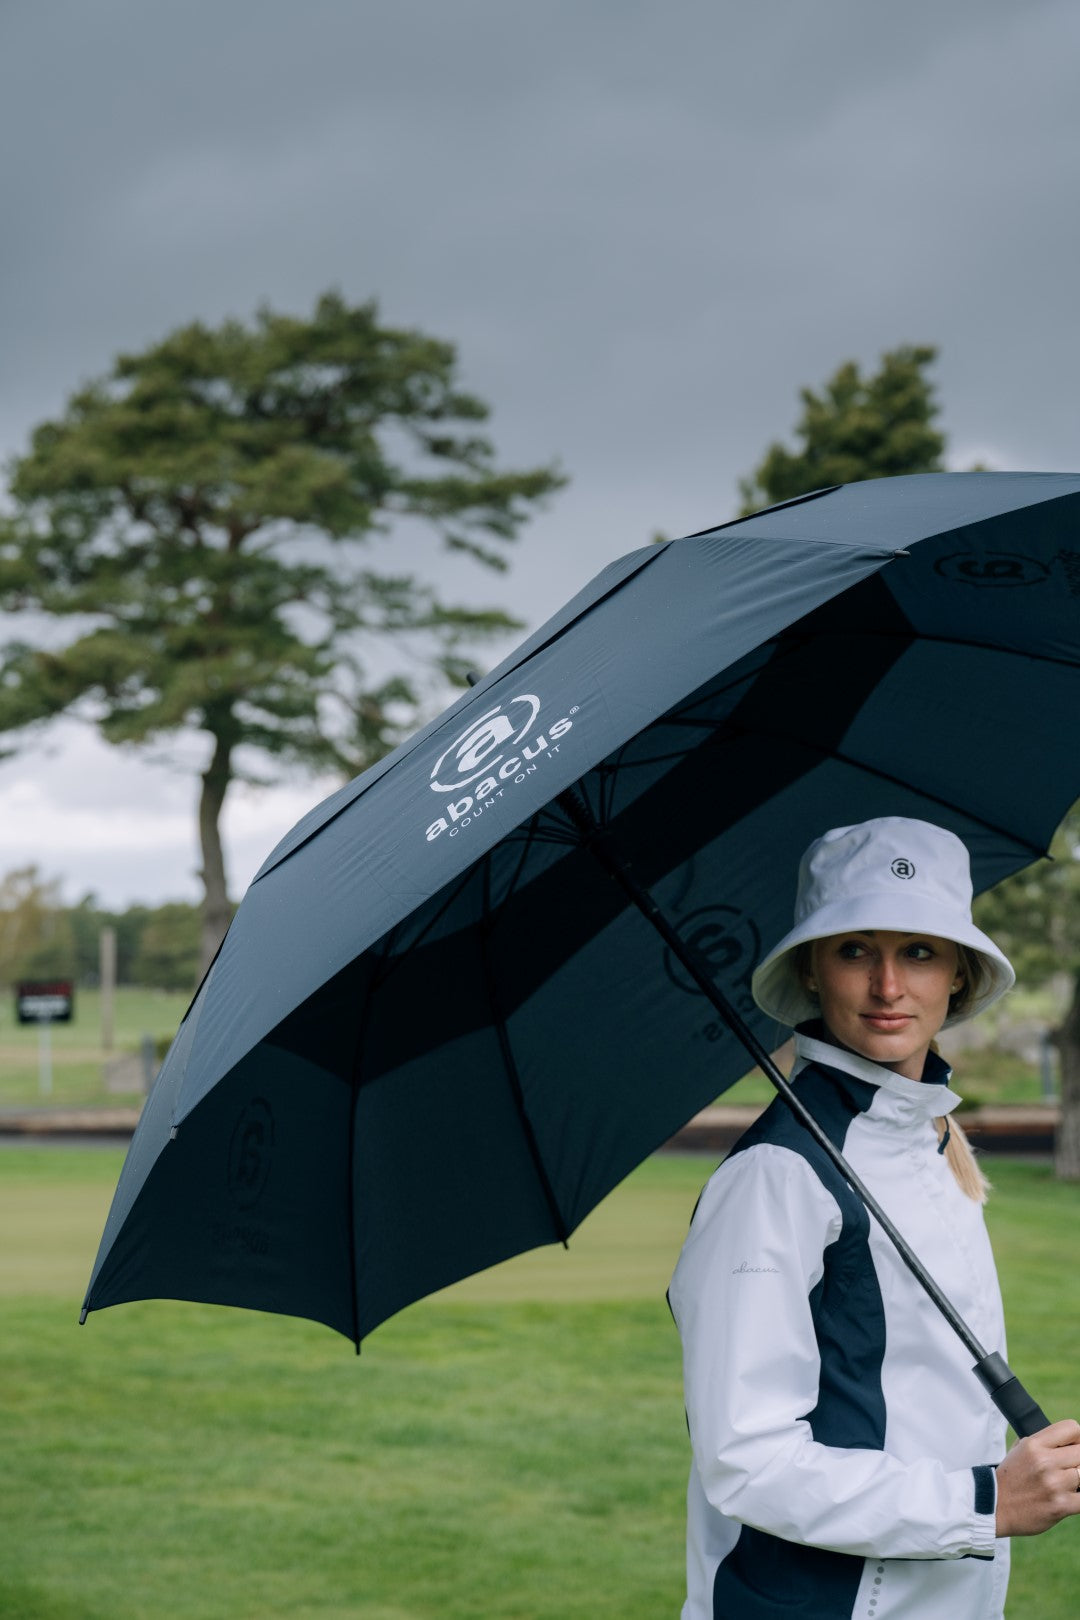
point(469, 992)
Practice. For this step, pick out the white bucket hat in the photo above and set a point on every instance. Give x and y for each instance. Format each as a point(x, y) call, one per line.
point(891, 873)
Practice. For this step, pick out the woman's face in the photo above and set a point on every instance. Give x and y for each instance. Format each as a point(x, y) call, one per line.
point(885, 995)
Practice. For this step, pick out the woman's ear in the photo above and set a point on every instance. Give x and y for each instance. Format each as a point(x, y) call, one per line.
point(804, 968)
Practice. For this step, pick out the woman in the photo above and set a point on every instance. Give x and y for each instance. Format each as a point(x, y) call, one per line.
point(846, 1460)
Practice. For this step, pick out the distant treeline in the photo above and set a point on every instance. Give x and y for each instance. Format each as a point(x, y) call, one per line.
point(156, 946)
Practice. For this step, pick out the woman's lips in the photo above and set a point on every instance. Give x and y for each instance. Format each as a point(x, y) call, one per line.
point(886, 1021)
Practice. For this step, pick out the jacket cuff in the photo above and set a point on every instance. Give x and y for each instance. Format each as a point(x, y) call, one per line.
point(984, 1527)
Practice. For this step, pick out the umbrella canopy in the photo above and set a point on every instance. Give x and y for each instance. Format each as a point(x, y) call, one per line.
point(438, 1033)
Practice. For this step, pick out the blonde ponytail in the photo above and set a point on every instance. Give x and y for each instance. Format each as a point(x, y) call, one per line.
point(961, 1160)
point(959, 1155)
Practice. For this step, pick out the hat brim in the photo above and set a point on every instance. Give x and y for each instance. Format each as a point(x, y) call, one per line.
point(778, 991)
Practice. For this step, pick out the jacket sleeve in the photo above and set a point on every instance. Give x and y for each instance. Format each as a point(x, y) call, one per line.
point(741, 1300)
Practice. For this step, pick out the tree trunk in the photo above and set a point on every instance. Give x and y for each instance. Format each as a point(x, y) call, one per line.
point(1067, 1143)
point(216, 911)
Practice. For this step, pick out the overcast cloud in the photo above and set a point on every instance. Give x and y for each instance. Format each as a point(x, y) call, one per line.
point(644, 225)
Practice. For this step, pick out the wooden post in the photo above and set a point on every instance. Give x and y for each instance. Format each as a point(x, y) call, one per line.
point(107, 958)
point(45, 1057)
point(1067, 1139)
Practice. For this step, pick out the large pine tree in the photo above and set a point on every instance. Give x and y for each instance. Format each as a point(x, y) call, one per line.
point(217, 522)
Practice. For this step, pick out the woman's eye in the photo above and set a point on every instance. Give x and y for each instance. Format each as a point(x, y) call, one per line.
point(851, 950)
point(920, 953)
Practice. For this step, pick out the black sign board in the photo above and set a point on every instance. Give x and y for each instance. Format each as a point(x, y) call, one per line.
point(44, 1001)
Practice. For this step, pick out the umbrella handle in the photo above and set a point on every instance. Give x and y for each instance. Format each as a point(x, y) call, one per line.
point(1009, 1395)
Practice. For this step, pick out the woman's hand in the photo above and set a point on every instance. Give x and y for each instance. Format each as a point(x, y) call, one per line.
point(1038, 1483)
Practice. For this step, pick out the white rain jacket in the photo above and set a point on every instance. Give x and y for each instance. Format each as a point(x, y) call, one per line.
point(843, 1449)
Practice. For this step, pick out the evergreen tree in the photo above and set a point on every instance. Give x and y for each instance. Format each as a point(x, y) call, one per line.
point(858, 427)
point(204, 519)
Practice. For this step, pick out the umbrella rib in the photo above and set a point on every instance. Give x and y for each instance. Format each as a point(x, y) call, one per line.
point(764, 655)
point(392, 961)
point(806, 743)
point(553, 830)
point(925, 639)
point(561, 1229)
point(789, 643)
point(530, 649)
point(390, 964)
point(898, 781)
point(608, 781)
point(659, 759)
point(532, 836)
point(354, 1089)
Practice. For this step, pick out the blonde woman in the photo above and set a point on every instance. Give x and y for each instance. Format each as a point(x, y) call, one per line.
point(846, 1461)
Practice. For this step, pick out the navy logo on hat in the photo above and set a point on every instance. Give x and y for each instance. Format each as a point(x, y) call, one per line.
point(902, 867)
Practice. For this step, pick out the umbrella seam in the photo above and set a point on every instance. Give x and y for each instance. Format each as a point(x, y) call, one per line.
point(532, 836)
point(792, 640)
point(926, 639)
point(391, 962)
point(765, 511)
point(354, 1086)
point(517, 1091)
point(799, 640)
point(886, 776)
point(427, 733)
point(652, 555)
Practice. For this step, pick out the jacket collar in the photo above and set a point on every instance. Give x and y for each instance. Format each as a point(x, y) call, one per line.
point(899, 1098)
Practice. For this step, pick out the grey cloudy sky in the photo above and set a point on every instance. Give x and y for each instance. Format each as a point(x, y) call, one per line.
point(645, 226)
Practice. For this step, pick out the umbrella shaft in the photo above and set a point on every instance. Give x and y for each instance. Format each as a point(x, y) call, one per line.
point(1004, 1388)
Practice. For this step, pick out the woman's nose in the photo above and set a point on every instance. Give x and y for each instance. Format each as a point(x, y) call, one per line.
point(885, 979)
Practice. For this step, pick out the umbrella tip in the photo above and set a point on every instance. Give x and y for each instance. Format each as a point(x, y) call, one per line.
point(83, 1314)
point(473, 677)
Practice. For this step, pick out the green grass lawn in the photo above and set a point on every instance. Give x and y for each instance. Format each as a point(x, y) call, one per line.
point(77, 1054)
point(514, 1447)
